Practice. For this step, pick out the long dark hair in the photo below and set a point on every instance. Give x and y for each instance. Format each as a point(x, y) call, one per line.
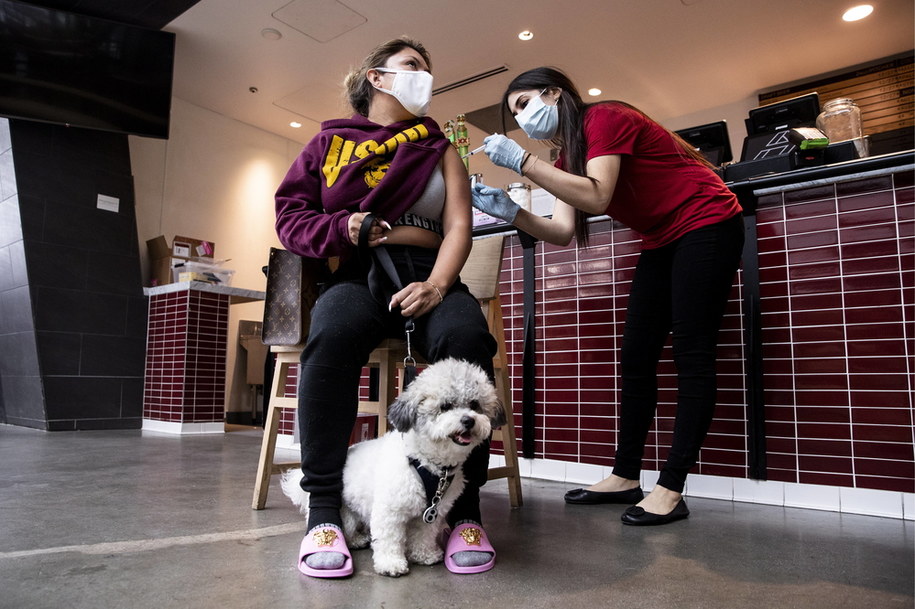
point(569, 135)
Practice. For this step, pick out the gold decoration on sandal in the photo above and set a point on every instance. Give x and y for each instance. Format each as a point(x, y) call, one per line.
point(472, 536)
point(325, 537)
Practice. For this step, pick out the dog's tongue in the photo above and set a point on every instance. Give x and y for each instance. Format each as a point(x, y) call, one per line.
point(466, 437)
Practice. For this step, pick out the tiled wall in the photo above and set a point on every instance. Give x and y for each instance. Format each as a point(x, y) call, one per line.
point(21, 389)
point(837, 301)
point(73, 329)
point(186, 357)
point(582, 296)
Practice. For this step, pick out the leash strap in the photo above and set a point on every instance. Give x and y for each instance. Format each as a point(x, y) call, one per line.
point(372, 258)
point(435, 487)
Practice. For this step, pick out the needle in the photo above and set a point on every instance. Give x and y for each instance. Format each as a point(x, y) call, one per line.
point(474, 151)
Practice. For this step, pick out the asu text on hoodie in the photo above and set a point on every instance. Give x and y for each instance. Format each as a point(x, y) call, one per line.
point(354, 165)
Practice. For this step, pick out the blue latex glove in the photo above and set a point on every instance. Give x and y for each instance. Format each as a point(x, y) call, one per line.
point(494, 201)
point(503, 152)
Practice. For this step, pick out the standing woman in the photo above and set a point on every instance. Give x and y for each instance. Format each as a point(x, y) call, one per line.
point(392, 162)
point(615, 160)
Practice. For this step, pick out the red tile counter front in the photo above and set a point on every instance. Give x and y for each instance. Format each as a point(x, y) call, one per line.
point(837, 302)
point(836, 269)
point(582, 295)
point(186, 357)
point(186, 354)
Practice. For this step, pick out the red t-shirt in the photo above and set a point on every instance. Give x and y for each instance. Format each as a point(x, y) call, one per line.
point(661, 193)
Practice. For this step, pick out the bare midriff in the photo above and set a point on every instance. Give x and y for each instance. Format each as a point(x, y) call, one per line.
point(411, 235)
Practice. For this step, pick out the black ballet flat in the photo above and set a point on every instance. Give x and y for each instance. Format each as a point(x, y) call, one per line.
point(637, 516)
point(585, 497)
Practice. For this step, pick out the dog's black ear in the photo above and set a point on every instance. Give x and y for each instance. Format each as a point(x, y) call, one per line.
point(400, 415)
point(498, 418)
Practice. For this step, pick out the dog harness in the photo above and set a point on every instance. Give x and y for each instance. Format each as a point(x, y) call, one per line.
point(435, 487)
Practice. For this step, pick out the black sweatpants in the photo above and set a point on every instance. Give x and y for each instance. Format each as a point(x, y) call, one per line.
point(680, 289)
point(347, 323)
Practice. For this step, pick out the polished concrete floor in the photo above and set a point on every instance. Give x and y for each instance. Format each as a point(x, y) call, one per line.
point(122, 519)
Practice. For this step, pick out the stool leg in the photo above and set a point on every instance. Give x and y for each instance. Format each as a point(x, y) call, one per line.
point(265, 462)
point(511, 470)
point(510, 446)
point(268, 444)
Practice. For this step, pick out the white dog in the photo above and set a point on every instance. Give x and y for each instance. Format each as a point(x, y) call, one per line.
point(448, 410)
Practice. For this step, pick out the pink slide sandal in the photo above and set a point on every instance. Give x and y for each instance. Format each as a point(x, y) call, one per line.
point(468, 537)
point(325, 539)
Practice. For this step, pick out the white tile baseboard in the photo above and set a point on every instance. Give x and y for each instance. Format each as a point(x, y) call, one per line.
point(868, 502)
point(183, 429)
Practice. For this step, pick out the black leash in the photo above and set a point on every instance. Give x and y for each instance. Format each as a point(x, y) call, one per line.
point(435, 487)
point(372, 258)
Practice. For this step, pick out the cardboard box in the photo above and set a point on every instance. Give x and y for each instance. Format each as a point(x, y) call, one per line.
point(163, 257)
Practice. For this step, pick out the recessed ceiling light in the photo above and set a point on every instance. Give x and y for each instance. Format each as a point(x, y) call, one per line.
point(295, 124)
point(271, 34)
point(857, 13)
point(594, 92)
point(526, 35)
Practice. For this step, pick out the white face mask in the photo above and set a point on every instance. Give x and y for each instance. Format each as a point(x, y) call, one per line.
point(412, 89)
point(538, 119)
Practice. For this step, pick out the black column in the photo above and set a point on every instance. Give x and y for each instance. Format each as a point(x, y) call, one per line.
point(529, 359)
point(752, 338)
point(79, 362)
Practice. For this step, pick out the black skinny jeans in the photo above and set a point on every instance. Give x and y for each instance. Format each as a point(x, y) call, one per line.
point(679, 289)
point(347, 323)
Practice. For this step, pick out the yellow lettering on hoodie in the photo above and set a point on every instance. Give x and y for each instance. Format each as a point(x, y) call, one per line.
point(338, 156)
point(365, 148)
point(341, 151)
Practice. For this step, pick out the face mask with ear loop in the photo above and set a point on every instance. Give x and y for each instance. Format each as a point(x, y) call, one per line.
point(411, 88)
point(538, 119)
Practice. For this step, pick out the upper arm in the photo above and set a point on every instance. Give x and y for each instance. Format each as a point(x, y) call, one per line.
point(605, 171)
point(456, 214)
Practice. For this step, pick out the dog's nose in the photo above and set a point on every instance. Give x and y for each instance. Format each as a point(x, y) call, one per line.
point(468, 422)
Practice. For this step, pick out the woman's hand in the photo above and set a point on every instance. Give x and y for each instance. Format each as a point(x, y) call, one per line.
point(376, 233)
point(495, 202)
point(504, 152)
point(416, 299)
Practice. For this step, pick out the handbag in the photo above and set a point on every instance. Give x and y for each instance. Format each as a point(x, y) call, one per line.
point(293, 283)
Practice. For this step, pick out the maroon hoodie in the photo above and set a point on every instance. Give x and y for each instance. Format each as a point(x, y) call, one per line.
point(354, 165)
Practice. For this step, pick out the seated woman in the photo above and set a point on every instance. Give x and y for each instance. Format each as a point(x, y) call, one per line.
point(389, 161)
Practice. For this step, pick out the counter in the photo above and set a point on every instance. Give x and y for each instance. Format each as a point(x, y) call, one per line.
point(814, 385)
point(185, 381)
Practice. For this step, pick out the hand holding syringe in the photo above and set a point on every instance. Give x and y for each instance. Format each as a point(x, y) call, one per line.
point(473, 152)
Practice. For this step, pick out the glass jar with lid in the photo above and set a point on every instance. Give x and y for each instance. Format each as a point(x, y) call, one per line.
point(520, 193)
point(840, 120)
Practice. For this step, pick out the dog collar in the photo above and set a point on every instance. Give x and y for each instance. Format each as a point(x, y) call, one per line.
point(435, 487)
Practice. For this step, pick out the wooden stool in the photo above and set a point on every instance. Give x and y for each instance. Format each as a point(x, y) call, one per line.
point(481, 275)
point(285, 358)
